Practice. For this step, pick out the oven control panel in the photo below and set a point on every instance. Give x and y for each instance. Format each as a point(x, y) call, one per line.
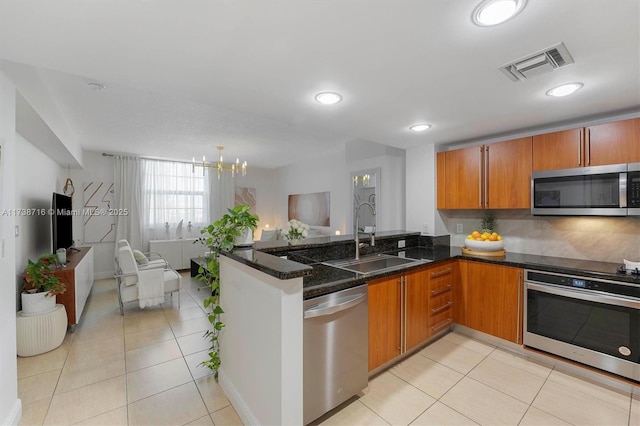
point(585, 283)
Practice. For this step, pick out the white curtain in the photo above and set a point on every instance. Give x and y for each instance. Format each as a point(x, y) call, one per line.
point(128, 195)
point(173, 200)
point(167, 200)
point(219, 194)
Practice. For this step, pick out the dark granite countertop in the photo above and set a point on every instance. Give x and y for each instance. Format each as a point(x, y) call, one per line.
point(320, 279)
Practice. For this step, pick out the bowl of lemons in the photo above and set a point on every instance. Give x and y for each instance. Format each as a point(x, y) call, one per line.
point(484, 241)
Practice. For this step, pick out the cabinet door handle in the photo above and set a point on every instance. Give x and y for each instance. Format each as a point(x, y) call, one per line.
point(441, 273)
point(518, 322)
point(403, 349)
point(588, 148)
point(441, 308)
point(580, 147)
point(486, 178)
point(480, 176)
point(440, 290)
point(441, 325)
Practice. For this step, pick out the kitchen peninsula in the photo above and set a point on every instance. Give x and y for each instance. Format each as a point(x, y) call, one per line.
point(263, 290)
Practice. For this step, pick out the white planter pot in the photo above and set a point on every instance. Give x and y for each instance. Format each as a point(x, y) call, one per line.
point(37, 303)
point(244, 239)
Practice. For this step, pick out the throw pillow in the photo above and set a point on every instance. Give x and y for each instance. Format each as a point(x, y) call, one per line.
point(141, 259)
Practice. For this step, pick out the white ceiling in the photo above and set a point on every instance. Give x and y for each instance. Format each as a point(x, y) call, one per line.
point(184, 76)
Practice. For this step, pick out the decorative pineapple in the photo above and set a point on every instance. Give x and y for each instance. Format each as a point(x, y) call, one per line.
point(488, 223)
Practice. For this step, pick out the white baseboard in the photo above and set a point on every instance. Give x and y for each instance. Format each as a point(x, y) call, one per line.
point(239, 404)
point(15, 414)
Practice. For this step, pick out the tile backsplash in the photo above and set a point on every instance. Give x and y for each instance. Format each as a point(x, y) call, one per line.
point(607, 239)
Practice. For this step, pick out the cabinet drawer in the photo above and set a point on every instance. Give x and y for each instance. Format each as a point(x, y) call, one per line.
point(440, 272)
point(440, 302)
point(440, 321)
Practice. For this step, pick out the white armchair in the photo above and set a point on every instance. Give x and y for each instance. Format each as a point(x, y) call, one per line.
point(147, 286)
point(149, 260)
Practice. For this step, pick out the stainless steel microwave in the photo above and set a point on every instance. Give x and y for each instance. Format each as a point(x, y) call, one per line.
point(612, 190)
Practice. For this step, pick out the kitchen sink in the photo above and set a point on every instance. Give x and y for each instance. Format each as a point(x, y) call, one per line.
point(373, 263)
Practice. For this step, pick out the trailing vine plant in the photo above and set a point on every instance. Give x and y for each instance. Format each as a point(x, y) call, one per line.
point(219, 237)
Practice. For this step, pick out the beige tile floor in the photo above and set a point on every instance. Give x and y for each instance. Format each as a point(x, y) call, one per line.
point(143, 368)
point(140, 368)
point(460, 381)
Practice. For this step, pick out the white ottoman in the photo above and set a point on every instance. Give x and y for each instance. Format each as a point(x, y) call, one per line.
point(37, 334)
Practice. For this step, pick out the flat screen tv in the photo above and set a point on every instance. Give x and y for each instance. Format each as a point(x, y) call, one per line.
point(62, 226)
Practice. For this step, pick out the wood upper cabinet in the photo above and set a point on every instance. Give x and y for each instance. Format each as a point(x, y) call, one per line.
point(495, 176)
point(508, 174)
point(613, 143)
point(558, 150)
point(384, 320)
point(462, 179)
point(494, 303)
point(610, 143)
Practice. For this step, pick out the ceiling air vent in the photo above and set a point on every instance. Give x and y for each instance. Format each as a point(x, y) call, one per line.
point(541, 62)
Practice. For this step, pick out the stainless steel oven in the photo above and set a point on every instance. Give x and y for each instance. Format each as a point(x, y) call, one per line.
point(592, 321)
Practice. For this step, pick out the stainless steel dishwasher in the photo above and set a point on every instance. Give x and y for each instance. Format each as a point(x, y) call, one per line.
point(336, 349)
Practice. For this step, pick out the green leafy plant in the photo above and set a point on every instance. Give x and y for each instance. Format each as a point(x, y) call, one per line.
point(39, 276)
point(219, 237)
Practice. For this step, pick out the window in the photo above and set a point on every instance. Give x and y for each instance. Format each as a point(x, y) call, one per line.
point(172, 193)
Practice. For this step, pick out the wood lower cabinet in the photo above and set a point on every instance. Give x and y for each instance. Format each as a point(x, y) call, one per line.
point(494, 303)
point(384, 320)
point(440, 297)
point(603, 144)
point(406, 309)
point(495, 176)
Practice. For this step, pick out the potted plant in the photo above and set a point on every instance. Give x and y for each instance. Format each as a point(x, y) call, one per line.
point(41, 286)
point(240, 221)
point(220, 236)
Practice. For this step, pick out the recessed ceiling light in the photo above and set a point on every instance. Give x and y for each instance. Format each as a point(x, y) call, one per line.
point(328, 98)
point(95, 86)
point(420, 127)
point(564, 90)
point(494, 12)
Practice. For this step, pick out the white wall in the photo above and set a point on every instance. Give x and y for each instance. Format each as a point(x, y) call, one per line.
point(266, 194)
point(422, 215)
point(390, 208)
point(332, 173)
point(10, 407)
point(327, 173)
point(97, 168)
point(34, 191)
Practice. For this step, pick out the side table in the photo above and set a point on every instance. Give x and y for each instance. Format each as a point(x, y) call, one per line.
point(37, 334)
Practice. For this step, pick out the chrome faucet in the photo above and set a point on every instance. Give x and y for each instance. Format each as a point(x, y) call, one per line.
point(357, 231)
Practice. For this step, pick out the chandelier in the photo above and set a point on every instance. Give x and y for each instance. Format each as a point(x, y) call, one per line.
point(220, 166)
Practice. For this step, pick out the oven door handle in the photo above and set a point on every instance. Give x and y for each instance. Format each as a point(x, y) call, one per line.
point(584, 295)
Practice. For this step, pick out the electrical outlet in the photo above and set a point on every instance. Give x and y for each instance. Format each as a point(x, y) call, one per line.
point(459, 228)
point(400, 243)
point(425, 228)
